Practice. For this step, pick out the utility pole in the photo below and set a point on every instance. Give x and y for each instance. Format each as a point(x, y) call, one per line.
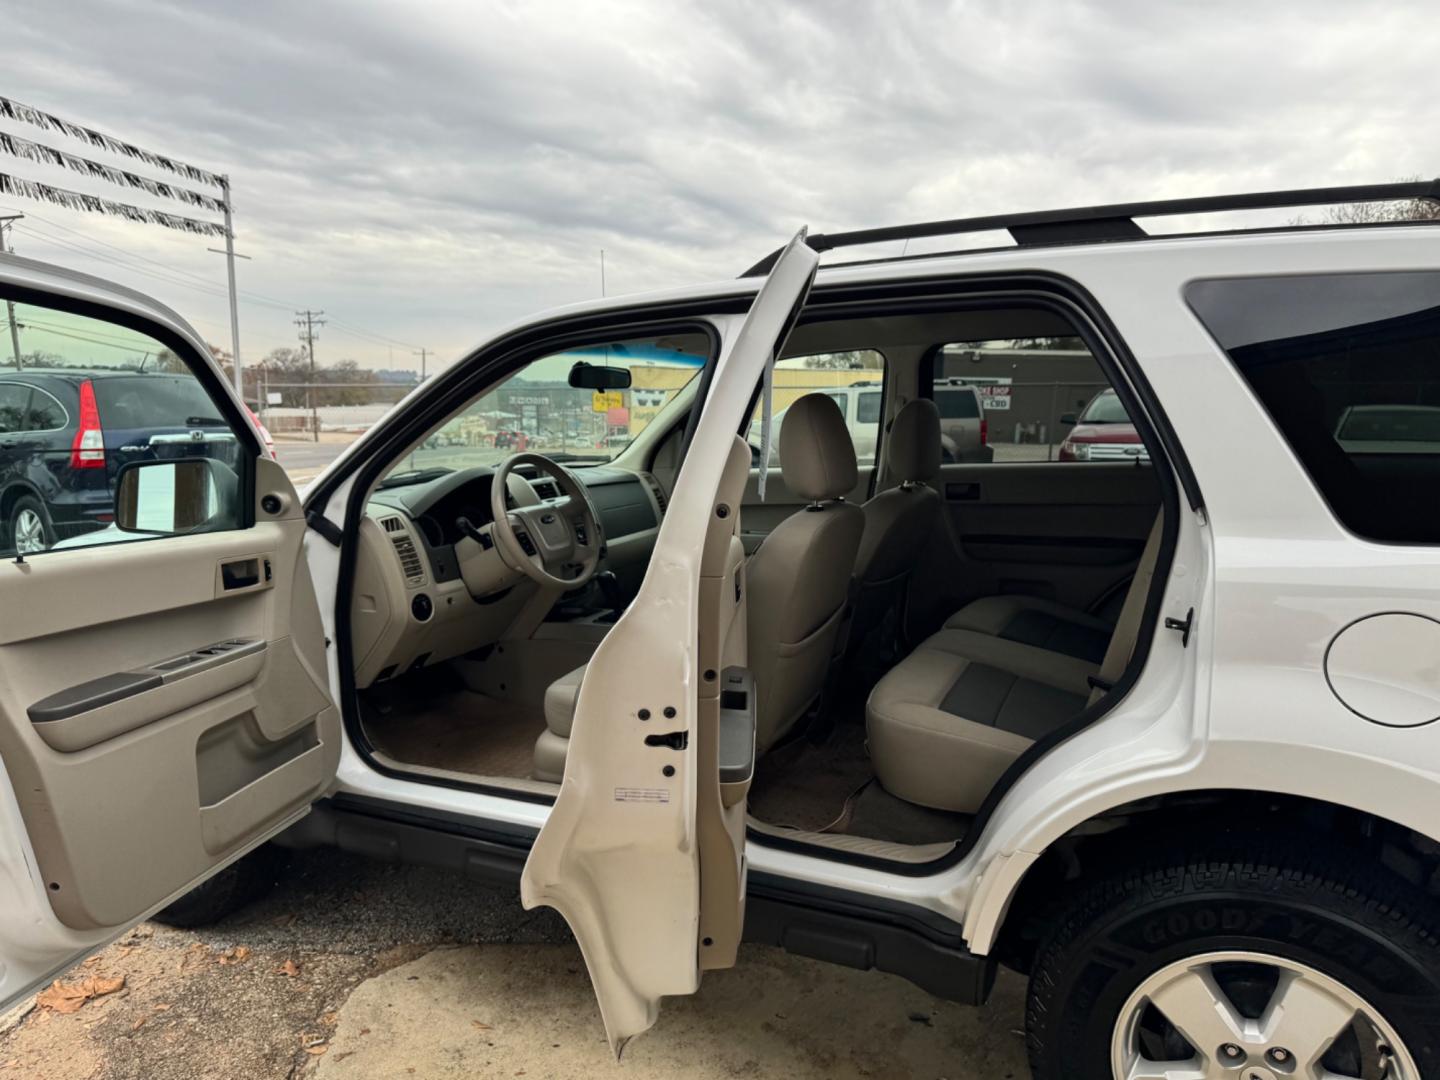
point(422, 353)
point(602, 271)
point(230, 257)
point(307, 320)
point(6, 223)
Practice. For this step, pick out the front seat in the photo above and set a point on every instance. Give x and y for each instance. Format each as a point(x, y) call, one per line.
point(797, 585)
point(900, 520)
point(800, 578)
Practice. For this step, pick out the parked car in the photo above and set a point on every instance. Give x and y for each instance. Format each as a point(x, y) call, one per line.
point(964, 431)
point(1102, 432)
point(64, 436)
point(859, 405)
point(1165, 741)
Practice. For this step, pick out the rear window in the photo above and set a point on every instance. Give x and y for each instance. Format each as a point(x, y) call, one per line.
point(154, 401)
point(1348, 367)
point(957, 404)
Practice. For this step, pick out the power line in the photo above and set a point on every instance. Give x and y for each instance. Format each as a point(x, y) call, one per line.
point(197, 283)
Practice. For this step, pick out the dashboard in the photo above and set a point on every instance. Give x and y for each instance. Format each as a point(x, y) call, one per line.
point(427, 591)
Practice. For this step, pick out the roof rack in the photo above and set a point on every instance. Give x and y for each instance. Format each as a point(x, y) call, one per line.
point(1092, 224)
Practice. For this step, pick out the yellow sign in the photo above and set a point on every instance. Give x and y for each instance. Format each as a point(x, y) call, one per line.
point(605, 400)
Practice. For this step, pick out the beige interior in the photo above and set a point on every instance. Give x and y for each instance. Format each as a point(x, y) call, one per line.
point(968, 548)
point(946, 721)
point(127, 801)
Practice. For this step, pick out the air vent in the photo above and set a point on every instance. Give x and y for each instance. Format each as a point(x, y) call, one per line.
point(546, 489)
point(657, 491)
point(392, 525)
point(410, 562)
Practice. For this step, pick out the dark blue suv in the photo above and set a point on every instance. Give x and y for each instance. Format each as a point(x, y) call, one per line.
point(65, 433)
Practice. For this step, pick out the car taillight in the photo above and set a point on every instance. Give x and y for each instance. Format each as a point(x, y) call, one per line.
point(984, 432)
point(88, 449)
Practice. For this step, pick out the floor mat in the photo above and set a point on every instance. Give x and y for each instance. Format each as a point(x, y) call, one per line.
point(454, 729)
point(877, 814)
point(805, 785)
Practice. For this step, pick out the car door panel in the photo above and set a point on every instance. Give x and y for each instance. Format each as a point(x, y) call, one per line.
point(621, 853)
point(141, 749)
point(1071, 532)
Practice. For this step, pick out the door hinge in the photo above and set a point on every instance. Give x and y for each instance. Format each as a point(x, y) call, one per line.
point(1182, 626)
point(324, 526)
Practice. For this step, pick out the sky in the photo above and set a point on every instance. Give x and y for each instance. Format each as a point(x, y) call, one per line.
point(426, 172)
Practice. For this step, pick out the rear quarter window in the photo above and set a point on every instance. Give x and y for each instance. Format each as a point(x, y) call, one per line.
point(1348, 368)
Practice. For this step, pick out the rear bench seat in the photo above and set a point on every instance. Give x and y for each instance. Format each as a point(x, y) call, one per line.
point(1005, 671)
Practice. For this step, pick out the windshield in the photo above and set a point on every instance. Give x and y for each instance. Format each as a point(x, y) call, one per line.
point(1105, 409)
point(537, 409)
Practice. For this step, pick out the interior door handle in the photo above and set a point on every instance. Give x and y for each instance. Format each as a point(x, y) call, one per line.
point(962, 491)
point(244, 573)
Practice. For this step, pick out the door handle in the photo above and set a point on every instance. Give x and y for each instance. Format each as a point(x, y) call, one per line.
point(244, 573)
point(962, 491)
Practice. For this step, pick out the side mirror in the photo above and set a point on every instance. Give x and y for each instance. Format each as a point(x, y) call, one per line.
point(585, 376)
point(172, 497)
point(1069, 419)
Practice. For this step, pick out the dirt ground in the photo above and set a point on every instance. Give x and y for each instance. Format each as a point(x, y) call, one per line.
point(352, 969)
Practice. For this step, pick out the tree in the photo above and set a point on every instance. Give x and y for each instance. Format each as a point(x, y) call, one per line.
point(1373, 212)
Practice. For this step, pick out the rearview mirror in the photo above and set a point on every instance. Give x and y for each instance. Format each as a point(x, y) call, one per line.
point(585, 376)
point(1069, 419)
point(171, 497)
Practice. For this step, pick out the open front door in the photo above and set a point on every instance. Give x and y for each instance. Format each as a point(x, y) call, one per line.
point(643, 853)
point(164, 702)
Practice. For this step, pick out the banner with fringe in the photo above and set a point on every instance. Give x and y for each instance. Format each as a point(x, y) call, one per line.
point(14, 110)
point(76, 200)
point(46, 155)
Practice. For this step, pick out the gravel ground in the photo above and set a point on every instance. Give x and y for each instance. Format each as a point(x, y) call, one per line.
point(357, 969)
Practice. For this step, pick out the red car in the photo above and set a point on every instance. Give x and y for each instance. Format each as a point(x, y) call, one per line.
point(1102, 432)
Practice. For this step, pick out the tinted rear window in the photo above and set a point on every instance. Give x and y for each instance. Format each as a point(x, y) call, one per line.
point(957, 404)
point(153, 401)
point(1348, 367)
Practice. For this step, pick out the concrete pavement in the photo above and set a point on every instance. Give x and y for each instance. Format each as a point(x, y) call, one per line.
point(354, 969)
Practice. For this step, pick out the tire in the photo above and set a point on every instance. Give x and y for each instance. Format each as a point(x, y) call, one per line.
point(241, 883)
point(28, 520)
point(1312, 917)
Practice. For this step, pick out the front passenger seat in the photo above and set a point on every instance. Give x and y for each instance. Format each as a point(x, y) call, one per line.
point(800, 578)
point(899, 521)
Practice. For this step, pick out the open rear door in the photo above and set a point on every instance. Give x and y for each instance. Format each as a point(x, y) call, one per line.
point(164, 701)
point(643, 853)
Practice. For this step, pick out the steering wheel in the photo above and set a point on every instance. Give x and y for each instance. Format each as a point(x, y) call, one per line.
point(557, 543)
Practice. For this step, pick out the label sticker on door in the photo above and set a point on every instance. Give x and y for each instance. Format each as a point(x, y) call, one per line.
point(642, 794)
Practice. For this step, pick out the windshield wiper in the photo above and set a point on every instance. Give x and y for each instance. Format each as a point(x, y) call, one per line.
point(412, 476)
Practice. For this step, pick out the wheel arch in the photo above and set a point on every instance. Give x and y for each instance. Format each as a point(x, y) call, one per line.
point(1027, 893)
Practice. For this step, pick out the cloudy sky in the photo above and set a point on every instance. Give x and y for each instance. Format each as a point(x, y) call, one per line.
point(427, 170)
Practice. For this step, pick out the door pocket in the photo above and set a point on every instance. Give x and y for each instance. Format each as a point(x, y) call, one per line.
point(262, 801)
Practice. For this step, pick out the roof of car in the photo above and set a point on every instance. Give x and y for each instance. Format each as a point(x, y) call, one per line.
point(1115, 222)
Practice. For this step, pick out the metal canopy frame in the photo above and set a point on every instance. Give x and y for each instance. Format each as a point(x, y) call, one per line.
point(1116, 222)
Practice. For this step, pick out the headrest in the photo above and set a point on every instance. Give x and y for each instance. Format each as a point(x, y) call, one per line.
point(914, 442)
point(817, 457)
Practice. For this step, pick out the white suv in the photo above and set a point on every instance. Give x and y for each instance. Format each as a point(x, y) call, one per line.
point(1158, 733)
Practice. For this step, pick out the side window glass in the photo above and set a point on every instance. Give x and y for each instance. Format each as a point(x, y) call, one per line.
point(112, 438)
point(1348, 368)
point(1030, 399)
point(13, 399)
point(853, 380)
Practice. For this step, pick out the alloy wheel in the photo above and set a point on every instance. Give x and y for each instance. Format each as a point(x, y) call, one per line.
point(29, 532)
point(1252, 1016)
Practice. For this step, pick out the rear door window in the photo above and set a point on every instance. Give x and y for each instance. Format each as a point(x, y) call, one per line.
point(1348, 368)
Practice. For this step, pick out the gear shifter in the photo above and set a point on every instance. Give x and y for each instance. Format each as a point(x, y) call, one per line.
point(609, 586)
